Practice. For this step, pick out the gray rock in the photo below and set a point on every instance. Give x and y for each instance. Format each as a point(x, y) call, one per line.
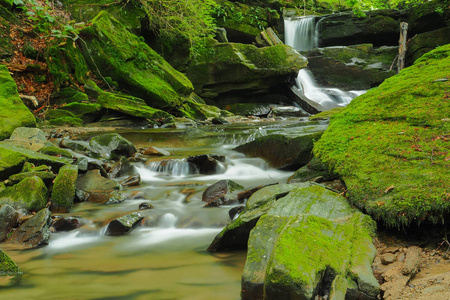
point(99, 188)
point(220, 192)
point(34, 232)
point(124, 224)
point(8, 219)
point(111, 145)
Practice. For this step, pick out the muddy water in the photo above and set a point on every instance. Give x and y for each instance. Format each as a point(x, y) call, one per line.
point(165, 258)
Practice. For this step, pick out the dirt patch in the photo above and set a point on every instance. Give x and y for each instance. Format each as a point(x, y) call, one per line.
point(413, 267)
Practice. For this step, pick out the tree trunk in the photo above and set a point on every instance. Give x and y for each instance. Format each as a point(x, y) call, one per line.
point(402, 46)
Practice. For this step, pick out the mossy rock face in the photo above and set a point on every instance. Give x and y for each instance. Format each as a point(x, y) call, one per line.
point(426, 42)
point(10, 273)
point(13, 113)
point(128, 14)
point(88, 112)
point(364, 67)
point(379, 27)
point(31, 194)
point(46, 176)
point(243, 69)
point(111, 145)
point(390, 145)
point(56, 151)
point(133, 64)
point(13, 158)
point(282, 151)
point(68, 95)
point(243, 21)
point(63, 191)
point(306, 243)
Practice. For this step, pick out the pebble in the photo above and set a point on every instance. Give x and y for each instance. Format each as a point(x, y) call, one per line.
point(388, 258)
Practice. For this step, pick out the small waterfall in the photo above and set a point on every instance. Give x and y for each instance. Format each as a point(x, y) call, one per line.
point(302, 34)
point(173, 167)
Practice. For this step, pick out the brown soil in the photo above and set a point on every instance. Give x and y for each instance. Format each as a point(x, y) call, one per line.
point(413, 267)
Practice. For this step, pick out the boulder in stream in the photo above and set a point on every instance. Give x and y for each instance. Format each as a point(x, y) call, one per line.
point(99, 188)
point(220, 193)
point(206, 164)
point(282, 150)
point(63, 192)
point(30, 193)
point(34, 232)
point(124, 224)
point(8, 219)
point(111, 145)
point(10, 274)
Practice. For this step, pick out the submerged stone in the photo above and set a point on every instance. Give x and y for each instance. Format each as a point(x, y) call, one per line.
point(10, 274)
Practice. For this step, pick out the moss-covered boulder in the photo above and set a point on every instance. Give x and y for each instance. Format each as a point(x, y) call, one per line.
point(30, 193)
point(63, 191)
point(13, 158)
point(56, 151)
point(425, 42)
point(68, 95)
point(282, 150)
point(364, 66)
point(115, 52)
point(111, 145)
point(230, 69)
point(310, 243)
point(10, 274)
point(391, 147)
point(13, 113)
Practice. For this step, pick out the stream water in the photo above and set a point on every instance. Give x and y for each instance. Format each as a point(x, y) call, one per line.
point(164, 259)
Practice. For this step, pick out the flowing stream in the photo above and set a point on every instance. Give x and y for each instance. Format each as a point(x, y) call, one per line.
point(165, 256)
point(301, 33)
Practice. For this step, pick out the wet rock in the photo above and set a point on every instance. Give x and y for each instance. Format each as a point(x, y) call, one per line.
point(282, 151)
point(121, 168)
point(155, 151)
point(10, 274)
point(311, 171)
point(321, 220)
point(79, 146)
point(111, 145)
point(99, 188)
point(235, 234)
point(14, 157)
point(425, 42)
point(63, 192)
point(46, 175)
point(220, 193)
point(55, 151)
point(132, 180)
point(34, 232)
point(123, 225)
point(28, 133)
point(66, 224)
point(8, 219)
point(81, 196)
point(235, 211)
point(145, 205)
point(287, 112)
point(247, 193)
point(206, 164)
point(219, 121)
point(30, 193)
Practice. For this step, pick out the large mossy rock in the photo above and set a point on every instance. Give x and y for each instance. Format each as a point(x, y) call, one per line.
point(31, 194)
point(391, 145)
point(10, 274)
point(63, 191)
point(13, 113)
point(282, 150)
point(13, 158)
point(426, 42)
point(381, 28)
point(364, 66)
point(240, 69)
point(137, 68)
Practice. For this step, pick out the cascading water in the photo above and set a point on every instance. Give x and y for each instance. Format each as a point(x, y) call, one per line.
point(301, 33)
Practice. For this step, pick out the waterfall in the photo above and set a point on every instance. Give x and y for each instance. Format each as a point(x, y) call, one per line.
point(302, 34)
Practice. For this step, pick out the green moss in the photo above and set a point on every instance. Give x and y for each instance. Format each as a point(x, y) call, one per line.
point(64, 189)
point(13, 113)
point(55, 151)
point(9, 268)
point(390, 145)
point(326, 114)
point(31, 194)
